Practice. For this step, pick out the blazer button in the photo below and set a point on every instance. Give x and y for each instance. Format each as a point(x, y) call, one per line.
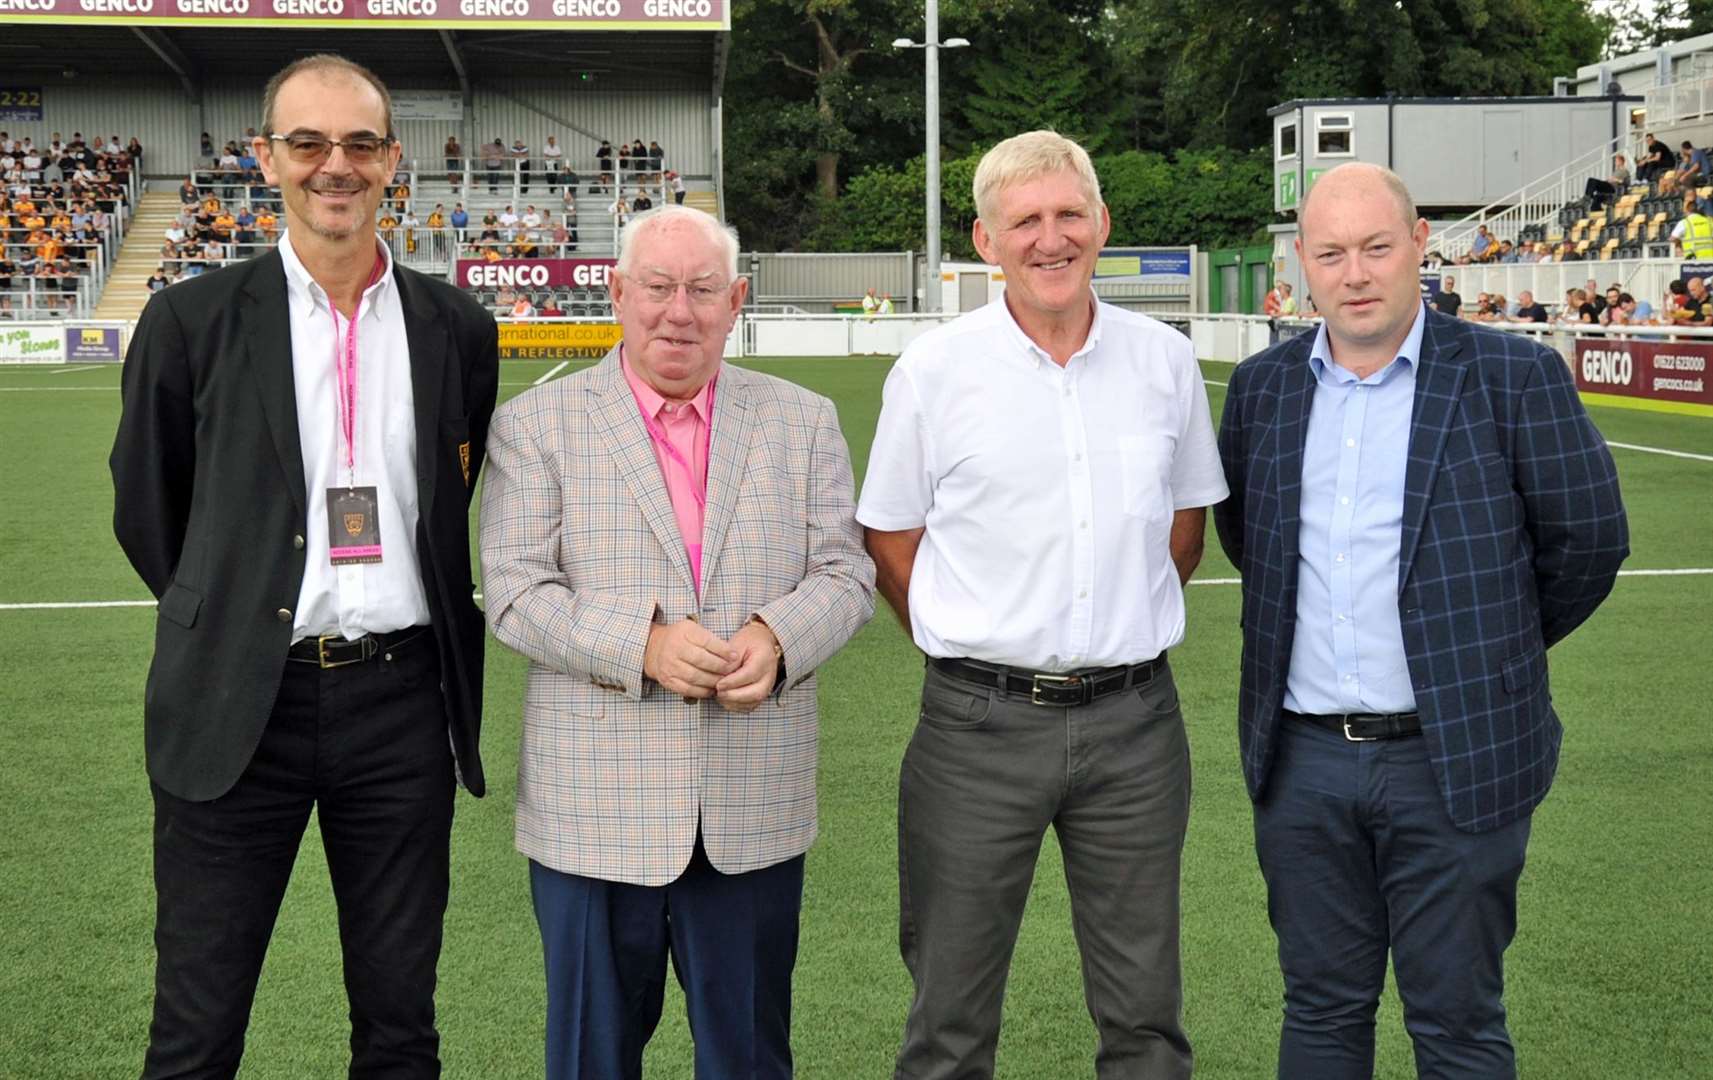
point(297, 542)
point(283, 614)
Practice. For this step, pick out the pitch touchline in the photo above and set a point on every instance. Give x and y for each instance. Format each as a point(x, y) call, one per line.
point(74, 605)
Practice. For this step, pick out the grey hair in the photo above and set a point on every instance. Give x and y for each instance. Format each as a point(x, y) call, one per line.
point(1026, 157)
point(724, 236)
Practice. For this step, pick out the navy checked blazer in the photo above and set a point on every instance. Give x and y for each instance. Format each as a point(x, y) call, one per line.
point(1513, 532)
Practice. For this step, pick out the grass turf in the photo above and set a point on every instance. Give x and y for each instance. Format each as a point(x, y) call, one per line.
point(1609, 975)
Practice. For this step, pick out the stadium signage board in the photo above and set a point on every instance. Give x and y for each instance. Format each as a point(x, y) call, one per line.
point(557, 340)
point(32, 343)
point(20, 104)
point(1680, 372)
point(535, 273)
point(1143, 266)
point(382, 14)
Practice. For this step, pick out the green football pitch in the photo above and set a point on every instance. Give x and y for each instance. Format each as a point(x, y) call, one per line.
point(1611, 975)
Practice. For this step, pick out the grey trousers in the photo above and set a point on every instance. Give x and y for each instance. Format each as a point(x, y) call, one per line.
point(983, 778)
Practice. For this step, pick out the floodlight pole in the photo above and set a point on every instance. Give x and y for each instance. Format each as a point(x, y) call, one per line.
point(932, 46)
point(931, 295)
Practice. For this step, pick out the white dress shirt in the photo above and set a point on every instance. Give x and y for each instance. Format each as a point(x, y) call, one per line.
point(1047, 492)
point(355, 598)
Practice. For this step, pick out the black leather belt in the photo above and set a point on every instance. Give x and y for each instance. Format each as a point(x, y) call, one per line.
point(1055, 689)
point(332, 650)
point(1364, 727)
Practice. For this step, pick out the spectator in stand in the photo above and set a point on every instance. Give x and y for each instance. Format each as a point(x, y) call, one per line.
point(1287, 302)
point(656, 157)
point(571, 182)
point(408, 224)
point(1269, 303)
point(604, 187)
point(248, 167)
point(1692, 168)
point(1507, 253)
point(560, 237)
point(207, 151)
point(1594, 298)
point(550, 307)
point(246, 226)
point(493, 160)
point(520, 155)
point(522, 308)
point(268, 225)
point(638, 156)
point(1482, 244)
point(490, 228)
point(1657, 162)
point(1448, 302)
point(230, 172)
point(224, 226)
point(460, 220)
point(531, 217)
point(1676, 295)
point(552, 162)
point(641, 202)
point(624, 160)
point(400, 195)
point(506, 297)
point(1693, 233)
point(187, 193)
point(135, 149)
point(1528, 310)
point(1696, 311)
point(677, 183)
point(1635, 311)
point(619, 211)
point(508, 223)
point(454, 155)
point(603, 158)
point(1586, 312)
point(1601, 192)
point(31, 162)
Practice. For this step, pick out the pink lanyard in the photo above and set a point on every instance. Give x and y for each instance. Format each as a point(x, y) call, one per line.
point(345, 371)
point(698, 486)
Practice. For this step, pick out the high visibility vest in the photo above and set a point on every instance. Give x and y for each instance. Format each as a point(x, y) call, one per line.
point(1698, 236)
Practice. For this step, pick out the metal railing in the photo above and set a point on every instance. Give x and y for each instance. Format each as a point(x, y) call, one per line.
point(1682, 102)
point(1535, 203)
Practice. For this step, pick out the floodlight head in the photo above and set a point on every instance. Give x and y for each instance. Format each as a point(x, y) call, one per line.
point(955, 43)
point(903, 43)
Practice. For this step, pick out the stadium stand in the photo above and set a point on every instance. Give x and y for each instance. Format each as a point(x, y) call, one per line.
point(63, 211)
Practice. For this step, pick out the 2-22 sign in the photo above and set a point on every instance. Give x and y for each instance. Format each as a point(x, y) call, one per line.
point(20, 104)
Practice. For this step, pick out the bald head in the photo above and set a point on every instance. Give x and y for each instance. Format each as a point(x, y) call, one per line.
point(1357, 178)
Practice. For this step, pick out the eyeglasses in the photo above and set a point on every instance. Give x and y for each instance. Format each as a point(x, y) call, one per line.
point(701, 293)
point(306, 149)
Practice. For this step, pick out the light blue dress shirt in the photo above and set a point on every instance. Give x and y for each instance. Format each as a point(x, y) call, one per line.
point(1348, 654)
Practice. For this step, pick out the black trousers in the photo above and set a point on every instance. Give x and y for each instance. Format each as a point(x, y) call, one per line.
point(366, 746)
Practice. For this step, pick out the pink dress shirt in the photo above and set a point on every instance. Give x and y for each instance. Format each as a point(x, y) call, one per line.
point(686, 427)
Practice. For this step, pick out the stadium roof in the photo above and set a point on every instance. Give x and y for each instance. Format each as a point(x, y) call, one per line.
point(613, 58)
point(1537, 99)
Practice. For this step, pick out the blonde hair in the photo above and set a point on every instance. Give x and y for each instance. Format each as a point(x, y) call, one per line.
point(1026, 157)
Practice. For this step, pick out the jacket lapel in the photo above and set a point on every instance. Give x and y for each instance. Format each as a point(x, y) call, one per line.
point(1296, 395)
point(266, 320)
point(1439, 378)
point(426, 335)
point(728, 454)
point(615, 415)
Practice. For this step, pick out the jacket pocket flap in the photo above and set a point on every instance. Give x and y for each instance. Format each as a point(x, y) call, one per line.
point(180, 605)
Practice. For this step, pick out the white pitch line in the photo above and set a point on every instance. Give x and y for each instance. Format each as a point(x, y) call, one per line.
point(1659, 450)
point(69, 605)
point(563, 364)
point(1214, 382)
point(69, 370)
point(51, 389)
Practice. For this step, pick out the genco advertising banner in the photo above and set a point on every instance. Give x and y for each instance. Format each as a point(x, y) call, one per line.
point(381, 14)
point(1651, 369)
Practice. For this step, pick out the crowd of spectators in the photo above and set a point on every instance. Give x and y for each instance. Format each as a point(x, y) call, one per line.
point(633, 165)
point(1687, 304)
point(59, 201)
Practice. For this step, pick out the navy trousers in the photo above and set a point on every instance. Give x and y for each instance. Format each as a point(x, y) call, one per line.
point(732, 939)
point(1360, 858)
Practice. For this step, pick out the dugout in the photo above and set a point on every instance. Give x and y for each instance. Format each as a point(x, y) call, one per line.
point(582, 70)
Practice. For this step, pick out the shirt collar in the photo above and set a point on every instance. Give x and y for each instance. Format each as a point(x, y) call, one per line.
point(299, 281)
point(649, 398)
point(1033, 351)
point(1410, 353)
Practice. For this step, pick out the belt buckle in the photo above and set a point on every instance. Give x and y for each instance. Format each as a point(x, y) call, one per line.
point(1357, 738)
point(321, 652)
point(1052, 680)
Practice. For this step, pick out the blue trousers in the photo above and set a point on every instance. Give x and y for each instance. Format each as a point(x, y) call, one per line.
point(732, 939)
point(1360, 858)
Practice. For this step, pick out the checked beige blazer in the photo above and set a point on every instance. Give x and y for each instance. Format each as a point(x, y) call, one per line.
point(580, 552)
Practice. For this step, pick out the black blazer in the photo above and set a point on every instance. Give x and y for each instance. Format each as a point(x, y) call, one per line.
point(209, 506)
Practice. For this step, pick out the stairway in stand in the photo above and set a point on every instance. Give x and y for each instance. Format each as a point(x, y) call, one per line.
point(128, 286)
